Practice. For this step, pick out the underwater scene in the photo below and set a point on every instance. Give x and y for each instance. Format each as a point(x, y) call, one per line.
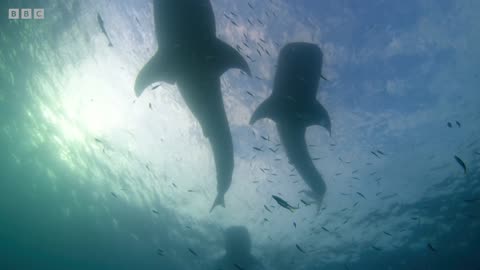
point(239, 134)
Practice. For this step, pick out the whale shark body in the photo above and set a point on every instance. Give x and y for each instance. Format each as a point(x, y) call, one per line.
point(190, 55)
point(293, 107)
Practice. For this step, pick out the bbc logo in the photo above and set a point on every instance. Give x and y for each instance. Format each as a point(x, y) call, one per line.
point(26, 13)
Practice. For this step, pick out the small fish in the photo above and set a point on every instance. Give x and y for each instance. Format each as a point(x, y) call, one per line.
point(265, 138)
point(155, 211)
point(299, 248)
point(102, 27)
point(387, 233)
point(375, 154)
point(376, 248)
point(316, 158)
point(460, 161)
point(250, 5)
point(174, 185)
point(431, 247)
point(361, 195)
point(449, 125)
point(472, 200)
point(238, 267)
point(380, 152)
point(160, 252)
point(294, 224)
point(304, 202)
point(150, 106)
point(257, 149)
point(114, 195)
point(192, 251)
point(325, 229)
point(273, 150)
point(266, 208)
point(458, 124)
point(283, 203)
point(155, 87)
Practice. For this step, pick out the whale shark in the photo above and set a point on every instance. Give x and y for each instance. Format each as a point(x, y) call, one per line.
point(293, 107)
point(191, 56)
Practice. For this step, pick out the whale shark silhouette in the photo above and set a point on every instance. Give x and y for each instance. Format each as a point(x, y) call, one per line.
point(293, 107)
point(190, 55)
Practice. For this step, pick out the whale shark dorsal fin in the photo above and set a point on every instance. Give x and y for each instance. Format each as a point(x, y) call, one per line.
point(265, 110)
point(158, 69)
point(227, 58)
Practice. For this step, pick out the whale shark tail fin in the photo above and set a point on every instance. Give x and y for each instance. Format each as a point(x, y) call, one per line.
point(157, 69)
point(227, 58)
point(219, 200)
point(265, 110)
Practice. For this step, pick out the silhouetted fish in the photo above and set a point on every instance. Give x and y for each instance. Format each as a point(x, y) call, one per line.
point(299, 248)
point(192, 251)
point(283, 203)
point(102, 27)
point(304, 202)
point(460, 161)
point(361, 195)
point(293, 107)
point(191, 56)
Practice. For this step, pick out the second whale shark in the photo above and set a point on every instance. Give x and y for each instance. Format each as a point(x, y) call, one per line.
point(190, 55)
point(293, 107)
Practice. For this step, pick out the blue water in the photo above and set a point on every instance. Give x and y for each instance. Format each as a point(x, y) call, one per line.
point(91, 177)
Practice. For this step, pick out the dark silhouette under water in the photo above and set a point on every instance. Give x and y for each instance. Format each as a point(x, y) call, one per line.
point(190, 55)
point(293, 106)
point(238, 251)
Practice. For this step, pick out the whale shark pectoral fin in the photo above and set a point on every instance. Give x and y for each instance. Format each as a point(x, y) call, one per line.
point(265, 110)
point(320, 117)
point(228, 57)
point(219, 200)
point(157, 69)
